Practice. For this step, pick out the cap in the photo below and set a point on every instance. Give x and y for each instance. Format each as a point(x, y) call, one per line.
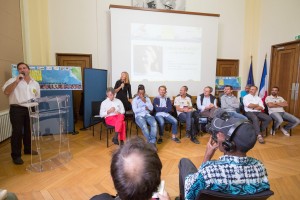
point(244, 136)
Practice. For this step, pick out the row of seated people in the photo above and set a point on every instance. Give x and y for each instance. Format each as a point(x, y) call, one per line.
point(207, 105)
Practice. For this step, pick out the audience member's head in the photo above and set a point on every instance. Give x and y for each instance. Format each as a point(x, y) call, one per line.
point(247, 88)
point(162, 90)
point(22, 64)
point(228, 89)
point(253, 90)
point(110, 93)
point(275, 91)
point(183, 90)
point(135, 170)
point(207, 90)
point(238, 134)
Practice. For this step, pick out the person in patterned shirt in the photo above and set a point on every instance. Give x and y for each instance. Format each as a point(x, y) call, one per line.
point(234, 172)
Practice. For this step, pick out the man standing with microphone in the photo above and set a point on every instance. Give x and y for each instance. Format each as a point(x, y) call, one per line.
point(19, 90)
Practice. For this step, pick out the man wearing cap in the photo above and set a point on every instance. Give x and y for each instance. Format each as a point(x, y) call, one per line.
point(253, 107)
point(234, 172)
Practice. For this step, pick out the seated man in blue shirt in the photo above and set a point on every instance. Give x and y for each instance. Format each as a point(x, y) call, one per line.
point(162, 107)
point(142, 106)
point(234, 172)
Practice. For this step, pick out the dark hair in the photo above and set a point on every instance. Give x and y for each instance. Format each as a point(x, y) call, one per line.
point(276, 87)
point(254, 86)
point(162, 86)
point(110, 89)
point(228, 86)
point(22, 63)
point(185, 87)
point(141, 87)
point(138, 180)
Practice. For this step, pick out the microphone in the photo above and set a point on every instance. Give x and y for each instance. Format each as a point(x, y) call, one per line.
point(20, 78)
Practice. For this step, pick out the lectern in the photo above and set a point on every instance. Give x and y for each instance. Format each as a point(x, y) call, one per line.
point(49, 132)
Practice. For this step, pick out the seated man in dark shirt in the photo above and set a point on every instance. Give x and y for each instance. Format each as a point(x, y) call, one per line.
point(234, 172)
point(135, 169)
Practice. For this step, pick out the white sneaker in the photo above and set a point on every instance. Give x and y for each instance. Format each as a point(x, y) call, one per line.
point(3, 194)
point(284, 132)
point(272, 132)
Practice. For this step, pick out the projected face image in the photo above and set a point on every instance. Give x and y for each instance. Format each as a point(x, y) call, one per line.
point(147, 59)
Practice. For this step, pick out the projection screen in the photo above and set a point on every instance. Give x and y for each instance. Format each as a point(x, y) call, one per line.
point(164, 48)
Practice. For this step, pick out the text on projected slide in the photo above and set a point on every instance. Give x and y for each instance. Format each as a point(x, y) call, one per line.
point(165, 52)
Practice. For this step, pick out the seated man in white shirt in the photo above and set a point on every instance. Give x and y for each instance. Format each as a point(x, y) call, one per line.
point(253, 107)
point(185, 111)
point(275, 105)
point(113, 111)
point(230, 103)
point(206, 102)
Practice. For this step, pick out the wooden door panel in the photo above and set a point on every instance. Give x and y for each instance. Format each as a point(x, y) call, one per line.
point(284, 73)
point(227, 67)
point(80, 60)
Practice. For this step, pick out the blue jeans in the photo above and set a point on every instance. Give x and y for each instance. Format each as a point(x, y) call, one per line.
point(161, 124)
point(142, 123)
point(279, 117)
point(237, 115)
point(187, 117)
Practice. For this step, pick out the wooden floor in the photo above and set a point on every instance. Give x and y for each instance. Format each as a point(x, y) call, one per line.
point(88, 174)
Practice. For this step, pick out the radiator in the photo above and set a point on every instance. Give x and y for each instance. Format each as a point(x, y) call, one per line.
point(5, 126)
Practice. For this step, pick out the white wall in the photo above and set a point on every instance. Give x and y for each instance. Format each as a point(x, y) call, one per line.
point(279, 24)
point(83, 26)
point(73, 28)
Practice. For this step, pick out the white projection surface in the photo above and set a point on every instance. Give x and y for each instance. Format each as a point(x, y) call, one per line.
point(161, 48)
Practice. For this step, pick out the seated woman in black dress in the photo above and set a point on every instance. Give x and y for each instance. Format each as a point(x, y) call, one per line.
point(123, 90)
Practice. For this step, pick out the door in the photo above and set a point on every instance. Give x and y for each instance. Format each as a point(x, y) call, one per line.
point(227, 67)
point(83, 61)
point(284, 73)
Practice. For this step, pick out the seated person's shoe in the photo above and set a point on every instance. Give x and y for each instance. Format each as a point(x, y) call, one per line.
point(32, 152)
point(272, 132)
point(115, 141)
point(260, 139)
point(187, 135)
point(284, 132)
point(160, 140)
point(195, 140)
point(176, 140)
point(18, 161)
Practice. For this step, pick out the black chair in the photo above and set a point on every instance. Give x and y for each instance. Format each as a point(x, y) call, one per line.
point(213, 195)
point(95, 117)
point(109, 130)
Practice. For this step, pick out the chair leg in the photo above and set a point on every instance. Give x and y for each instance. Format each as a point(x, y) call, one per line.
point(106, 138)
point(93, 131)
point(179, 130)
point(130, 128)
point(100, 130)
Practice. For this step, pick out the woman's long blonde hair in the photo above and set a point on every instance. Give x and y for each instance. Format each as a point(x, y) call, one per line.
point(126, 78)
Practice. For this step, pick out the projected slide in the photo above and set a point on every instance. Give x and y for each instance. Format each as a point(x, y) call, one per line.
point(165, 52)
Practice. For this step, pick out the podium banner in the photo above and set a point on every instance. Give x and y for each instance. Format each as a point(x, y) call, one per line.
point(54, 77)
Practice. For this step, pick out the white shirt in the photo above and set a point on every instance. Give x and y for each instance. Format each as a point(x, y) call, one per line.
point(182, 102)
point(206, 102)
point(23, 91)
point(272, 99)
point(108, 104)
point(248, 99)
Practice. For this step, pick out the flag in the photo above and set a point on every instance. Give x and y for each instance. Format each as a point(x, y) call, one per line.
point(263, 87)
point(250, 80)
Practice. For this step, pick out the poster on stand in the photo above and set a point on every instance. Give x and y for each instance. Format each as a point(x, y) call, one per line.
point(54, 77)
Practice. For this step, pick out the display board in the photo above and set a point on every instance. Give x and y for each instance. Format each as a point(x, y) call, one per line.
point(95, 85)
point(221, 81)
point(54, 77)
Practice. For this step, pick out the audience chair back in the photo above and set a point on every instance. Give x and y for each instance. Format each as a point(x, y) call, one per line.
point(213, 195)
point(95, 117)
